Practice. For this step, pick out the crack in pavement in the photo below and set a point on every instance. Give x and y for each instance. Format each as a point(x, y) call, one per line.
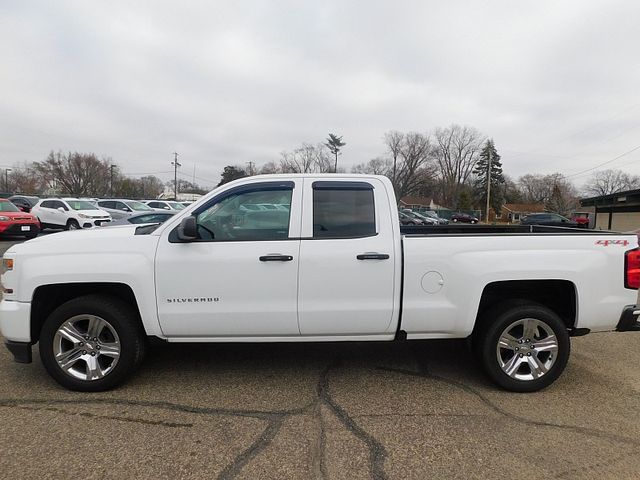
point(605, 463)
point(243, 459)
point(261, 414)
point(318, 454)
point(377, 452)
point(424, 372)
point(275, 419)
point(143, 421)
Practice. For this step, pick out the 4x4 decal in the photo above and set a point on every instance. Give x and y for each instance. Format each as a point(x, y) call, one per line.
point(606, 243)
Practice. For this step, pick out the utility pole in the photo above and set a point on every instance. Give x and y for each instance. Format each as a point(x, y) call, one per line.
point(488, 182)
point(111, 184)
point(250, 168)
point(175, 174)
point(6, 179)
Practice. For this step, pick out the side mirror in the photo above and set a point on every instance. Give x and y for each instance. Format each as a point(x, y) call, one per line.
point(188, 229)
point(61, 209)
point(125, 209)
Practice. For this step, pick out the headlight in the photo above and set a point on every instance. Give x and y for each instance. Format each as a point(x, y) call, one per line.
point(82, 215)
point(4, 219)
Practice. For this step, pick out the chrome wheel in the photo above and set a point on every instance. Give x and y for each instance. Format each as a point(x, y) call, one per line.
point(86, 347)
point(527, 349)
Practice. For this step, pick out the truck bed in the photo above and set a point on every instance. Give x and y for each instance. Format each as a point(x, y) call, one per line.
point(462, 229)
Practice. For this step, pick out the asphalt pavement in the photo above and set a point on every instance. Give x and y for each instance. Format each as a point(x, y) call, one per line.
point(411, 410)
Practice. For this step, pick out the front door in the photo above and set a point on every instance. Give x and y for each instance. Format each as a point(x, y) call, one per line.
point(240, 277)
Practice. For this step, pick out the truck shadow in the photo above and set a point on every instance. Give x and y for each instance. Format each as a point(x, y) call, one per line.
point(425, 358)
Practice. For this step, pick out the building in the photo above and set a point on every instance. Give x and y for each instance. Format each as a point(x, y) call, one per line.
point(617, 211)
point(513, 212)
point(418, 203)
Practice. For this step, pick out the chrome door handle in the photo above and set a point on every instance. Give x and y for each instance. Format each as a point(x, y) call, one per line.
point(276, 258)
point(373, 256)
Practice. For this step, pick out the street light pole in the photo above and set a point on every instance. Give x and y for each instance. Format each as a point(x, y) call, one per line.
point(175, 175)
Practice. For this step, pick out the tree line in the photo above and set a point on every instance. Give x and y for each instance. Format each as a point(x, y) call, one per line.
point(84, 175)
point(452, 165)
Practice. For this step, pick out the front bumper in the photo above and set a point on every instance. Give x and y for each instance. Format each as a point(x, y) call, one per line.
point(15, 326)
point(629, 319)
point(17, 229)
point(94, 222)
point(15, 321)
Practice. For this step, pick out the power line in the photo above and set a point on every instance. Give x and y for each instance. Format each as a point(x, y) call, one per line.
point(604, 163)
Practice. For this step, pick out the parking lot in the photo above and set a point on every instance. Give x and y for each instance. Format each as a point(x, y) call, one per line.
point(366, 410)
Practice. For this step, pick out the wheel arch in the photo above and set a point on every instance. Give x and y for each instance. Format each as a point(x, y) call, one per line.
point(560, 296)
point(46, 298)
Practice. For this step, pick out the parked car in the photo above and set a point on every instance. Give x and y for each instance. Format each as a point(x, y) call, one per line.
point(142, 217)
point(165, 205)
point(340, 270)
point(432, 214)
point(548, 219)
point(464, 218)
point(121, 208)
point(581, 218)
point(69, 214)
point(186, 204)
point(24, 202)
point(13, 221)
point(422, 218)
point(409, 220)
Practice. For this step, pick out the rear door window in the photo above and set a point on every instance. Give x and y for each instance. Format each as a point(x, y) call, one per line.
point(343, 210)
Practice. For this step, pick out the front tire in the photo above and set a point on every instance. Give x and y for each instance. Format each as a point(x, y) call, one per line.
point(73, 225)
point(523, 347)
point(92, 343)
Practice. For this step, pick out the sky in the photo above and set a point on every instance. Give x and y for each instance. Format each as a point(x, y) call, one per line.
point(555, 84)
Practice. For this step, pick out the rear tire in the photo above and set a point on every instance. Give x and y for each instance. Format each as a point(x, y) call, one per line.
point(92, 343)
point(523, 346)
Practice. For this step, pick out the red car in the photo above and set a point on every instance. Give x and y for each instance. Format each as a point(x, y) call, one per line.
point(15, 222)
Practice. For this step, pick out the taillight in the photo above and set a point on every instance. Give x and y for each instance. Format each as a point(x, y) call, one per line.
point(632, 269)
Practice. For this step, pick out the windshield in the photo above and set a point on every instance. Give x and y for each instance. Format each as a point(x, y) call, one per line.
point(6, 206)
point(431, 214)
point(176, 205)
point(81, 205)
point(138, 206)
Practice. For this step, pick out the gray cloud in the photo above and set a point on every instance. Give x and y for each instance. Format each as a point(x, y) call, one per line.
point(555, 84)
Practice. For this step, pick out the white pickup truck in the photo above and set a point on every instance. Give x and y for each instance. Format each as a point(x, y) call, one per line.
point(313, 258)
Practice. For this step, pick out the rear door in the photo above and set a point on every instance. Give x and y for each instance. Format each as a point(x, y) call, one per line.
point(348, 262)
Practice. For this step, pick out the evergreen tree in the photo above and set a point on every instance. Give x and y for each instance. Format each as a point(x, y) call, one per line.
point(334, 144)
point(231, 172)
point(464, 201)
point(481, 171)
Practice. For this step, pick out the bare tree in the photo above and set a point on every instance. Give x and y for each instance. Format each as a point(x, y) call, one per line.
point(81, 174)
point(307, 158)
point(555, 191)
point(456, 152)
point(24, 179)
point(394, 141)
point(606, 182)
point(375, 166)
point(415, 165)
point(269, 167)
